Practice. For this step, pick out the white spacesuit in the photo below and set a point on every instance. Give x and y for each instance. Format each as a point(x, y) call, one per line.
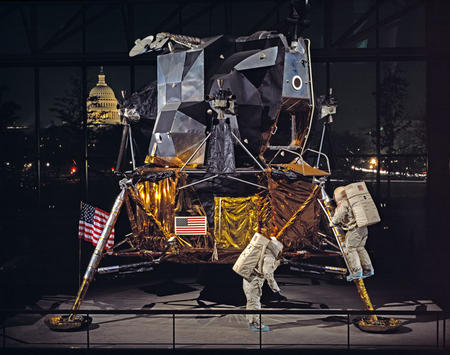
point(355, 238)
point(252, 284)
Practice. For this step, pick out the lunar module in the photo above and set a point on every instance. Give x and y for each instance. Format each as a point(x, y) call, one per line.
point(228, 156)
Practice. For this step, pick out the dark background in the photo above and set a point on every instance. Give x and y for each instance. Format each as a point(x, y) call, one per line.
point(387, 62)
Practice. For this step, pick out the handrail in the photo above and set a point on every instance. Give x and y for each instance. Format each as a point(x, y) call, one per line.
point(320, 154)
point(439, 315)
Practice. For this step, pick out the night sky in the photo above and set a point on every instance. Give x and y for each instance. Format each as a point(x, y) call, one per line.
point(354, 83)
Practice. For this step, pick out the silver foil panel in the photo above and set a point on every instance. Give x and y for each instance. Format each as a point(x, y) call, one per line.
point(193, 82)
point(264, 58)
point(180, 80)
point(165, 146)
point(296, 81)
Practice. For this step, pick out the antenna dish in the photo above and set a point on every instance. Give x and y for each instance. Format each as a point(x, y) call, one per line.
point(141, 46)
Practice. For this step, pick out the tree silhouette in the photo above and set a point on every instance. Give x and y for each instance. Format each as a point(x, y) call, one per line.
point(392, 108)
point(11, 155)
point(8, 111)
point(16, 158)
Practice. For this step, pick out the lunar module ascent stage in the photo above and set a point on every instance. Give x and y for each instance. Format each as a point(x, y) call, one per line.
point(226, 159)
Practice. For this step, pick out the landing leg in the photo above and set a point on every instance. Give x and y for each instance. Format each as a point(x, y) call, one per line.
point(373, 323)
point(73, 321)
point(365, 298)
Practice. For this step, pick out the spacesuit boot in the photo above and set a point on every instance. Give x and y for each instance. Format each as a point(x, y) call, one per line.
point(256, 327)
point(357, 276)
point(367, 273)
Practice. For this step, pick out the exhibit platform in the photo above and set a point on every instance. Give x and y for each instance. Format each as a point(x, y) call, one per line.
point(427, 332)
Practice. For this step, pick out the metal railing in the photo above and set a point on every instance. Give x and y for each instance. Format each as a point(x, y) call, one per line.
point(439, 316)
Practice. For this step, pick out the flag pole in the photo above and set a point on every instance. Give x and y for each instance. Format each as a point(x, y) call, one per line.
point(79, 262)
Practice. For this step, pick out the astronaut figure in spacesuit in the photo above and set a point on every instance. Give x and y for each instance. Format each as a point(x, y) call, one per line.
point(355, 237)
point(253, 284)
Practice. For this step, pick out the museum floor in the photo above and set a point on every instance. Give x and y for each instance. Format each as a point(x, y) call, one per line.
point(316, 331)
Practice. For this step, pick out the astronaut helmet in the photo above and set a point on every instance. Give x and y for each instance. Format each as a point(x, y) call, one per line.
point(275, 246)
point(339, 194)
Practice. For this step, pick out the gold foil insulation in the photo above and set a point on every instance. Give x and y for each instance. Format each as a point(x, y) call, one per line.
point(236, 220)
point(157, 204)
point(152, 218)
point(295, 212)
point(299, 210)
point(287, 210)
point(159, 198)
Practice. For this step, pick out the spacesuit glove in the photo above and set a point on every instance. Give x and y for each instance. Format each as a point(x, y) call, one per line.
point(279, 297)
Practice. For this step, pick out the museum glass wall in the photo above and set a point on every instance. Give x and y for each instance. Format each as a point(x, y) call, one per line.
point(370, 52)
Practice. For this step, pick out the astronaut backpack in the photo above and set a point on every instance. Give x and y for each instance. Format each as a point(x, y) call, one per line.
point(250, 256)
point(363, 207)
point(275, 246)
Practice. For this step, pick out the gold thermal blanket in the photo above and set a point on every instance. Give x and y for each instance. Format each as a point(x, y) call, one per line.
point(159, 198)
point(236, 219)
point(289, 210)
point(294, 203)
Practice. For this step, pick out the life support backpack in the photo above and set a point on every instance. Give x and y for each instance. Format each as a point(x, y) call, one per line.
point(250, 256)
point(363, 207)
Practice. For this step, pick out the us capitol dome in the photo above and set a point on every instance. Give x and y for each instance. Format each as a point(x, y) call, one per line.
point(102, 104)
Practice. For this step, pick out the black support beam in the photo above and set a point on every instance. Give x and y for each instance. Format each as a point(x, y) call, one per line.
point(438, 133)
point(120, 58)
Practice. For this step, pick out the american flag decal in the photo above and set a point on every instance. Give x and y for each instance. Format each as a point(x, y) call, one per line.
point(190, 225)
point(360, 188)
point(91, 224)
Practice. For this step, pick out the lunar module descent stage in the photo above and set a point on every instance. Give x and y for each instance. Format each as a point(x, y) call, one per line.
point(226, 159)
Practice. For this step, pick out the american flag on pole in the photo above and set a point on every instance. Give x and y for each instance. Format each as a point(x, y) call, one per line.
point(91, 224)
point(191, 225)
